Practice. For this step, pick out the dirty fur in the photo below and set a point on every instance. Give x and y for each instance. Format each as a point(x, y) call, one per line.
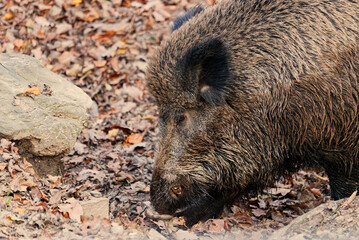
point(250, 90)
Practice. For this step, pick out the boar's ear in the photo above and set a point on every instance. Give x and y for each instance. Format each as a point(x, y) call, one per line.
point(179, 21)
point(210, 70)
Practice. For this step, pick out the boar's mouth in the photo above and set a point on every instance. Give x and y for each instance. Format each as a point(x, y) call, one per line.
point(200, 209)
point(195, 202)
point(198, 206)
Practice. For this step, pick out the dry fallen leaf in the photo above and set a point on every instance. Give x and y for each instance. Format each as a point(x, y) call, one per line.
point(54, 179)
point(8, 16)
point(28, 182)
point(19, 44)
point(65, 57)
point(259, 212)
point(74, 70)
point(112, 134)
point(104, 37)
point(100, 63)
point(76, 2)
point(122, 47)
point(212, 225)
point(133, 91)
point(316, 191)
point(126, 3)
point(29, 91)
point(279, 191)
point(243, 218)
point(121, 51)
point(278, 216)
point(17, 184)
point(3, 166)
point(91, 15)
point(146, 189)
point(19, 210)
point(5, 144)
point(349, 199)
point(133, 139)
point(158, 17)
point(150, 21)
point(125, 176)
point(37, 194)
point(29, 168)
point(54, 199)
point(73, 208)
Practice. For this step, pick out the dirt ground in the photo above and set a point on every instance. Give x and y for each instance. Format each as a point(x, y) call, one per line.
point(103, 47)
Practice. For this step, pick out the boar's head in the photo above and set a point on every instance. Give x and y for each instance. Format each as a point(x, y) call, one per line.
point(198, 166)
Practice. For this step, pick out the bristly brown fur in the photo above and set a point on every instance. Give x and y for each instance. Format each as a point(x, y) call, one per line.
point(249, 90)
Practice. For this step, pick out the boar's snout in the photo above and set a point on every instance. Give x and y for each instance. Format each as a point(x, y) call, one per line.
point(168, 192)
point(183, 196)
point(176, 191)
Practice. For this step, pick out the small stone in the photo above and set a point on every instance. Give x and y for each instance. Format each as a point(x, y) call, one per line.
point(96, 207)
point(96, 194)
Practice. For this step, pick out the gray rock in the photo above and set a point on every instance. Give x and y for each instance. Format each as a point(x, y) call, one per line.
point(325, 222)
point(45, 126)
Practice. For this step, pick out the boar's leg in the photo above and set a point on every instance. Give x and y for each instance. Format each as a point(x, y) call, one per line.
point(343, 182)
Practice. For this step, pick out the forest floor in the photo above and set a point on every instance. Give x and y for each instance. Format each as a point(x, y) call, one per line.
point(103, 47)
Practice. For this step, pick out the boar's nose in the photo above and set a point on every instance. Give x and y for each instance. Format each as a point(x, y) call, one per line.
point(176, 191)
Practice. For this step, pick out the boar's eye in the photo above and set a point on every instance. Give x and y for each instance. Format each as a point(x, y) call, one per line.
point(180, 119)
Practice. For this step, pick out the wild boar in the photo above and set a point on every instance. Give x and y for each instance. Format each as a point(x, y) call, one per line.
point(250, 90)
